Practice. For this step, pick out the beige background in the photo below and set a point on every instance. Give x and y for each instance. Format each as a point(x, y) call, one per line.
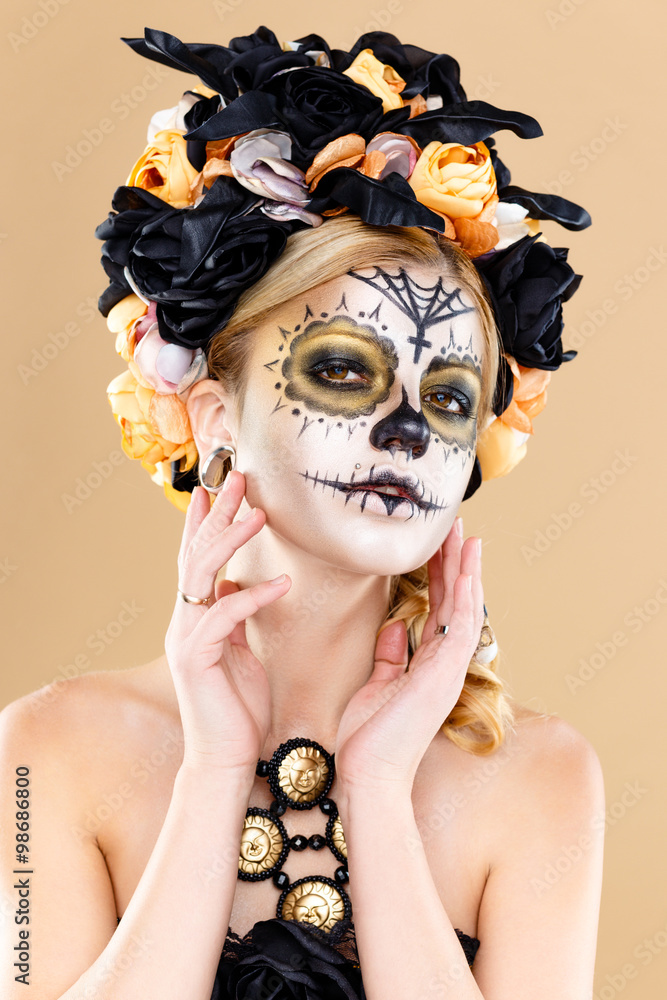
point(582, 622)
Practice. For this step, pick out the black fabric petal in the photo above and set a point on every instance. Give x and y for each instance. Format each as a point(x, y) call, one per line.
point(546, 206)
point(256, 109)
point(474, 484)
point(468, 122)
point(379, 203)
point(288, 960)
point(424, 72)
point(528, 283)
point(208, 62)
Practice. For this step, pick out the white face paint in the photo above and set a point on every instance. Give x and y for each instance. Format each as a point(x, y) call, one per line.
point(371, 377)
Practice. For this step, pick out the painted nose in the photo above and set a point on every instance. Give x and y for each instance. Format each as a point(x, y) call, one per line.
point(404, 429)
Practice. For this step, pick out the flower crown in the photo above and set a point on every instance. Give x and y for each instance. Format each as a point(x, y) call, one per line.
point(282, 137)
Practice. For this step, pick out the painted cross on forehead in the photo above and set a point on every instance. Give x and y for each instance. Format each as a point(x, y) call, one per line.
point(344, 367)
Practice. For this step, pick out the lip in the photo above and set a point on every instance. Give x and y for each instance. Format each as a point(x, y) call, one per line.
point(407, 486)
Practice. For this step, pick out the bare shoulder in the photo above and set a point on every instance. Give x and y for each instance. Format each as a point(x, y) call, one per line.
point(95, 720)
point(549, 783)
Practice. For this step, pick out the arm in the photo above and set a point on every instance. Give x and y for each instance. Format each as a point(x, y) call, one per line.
point(169, 941)
point(534, 941)
point(396, 906)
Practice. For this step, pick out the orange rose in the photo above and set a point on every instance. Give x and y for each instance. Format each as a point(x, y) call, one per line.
point(164, 170)
point(381, 79)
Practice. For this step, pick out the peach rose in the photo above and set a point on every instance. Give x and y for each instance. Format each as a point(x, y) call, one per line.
point(155, 427)
point(529, 396)
point(164, 170)
point(381, 79)
point(499, 449)
point(454, 180)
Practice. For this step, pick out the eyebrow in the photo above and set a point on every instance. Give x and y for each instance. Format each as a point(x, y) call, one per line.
point(454, 361)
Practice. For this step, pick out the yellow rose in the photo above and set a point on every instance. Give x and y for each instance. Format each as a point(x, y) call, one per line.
point(164, 170)
point(381, 79)
point(121, 321)
point(453, 180)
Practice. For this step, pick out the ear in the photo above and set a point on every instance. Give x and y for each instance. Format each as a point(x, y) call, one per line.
point(212, 412)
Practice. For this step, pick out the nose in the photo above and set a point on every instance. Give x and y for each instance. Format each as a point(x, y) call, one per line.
point(404, 429)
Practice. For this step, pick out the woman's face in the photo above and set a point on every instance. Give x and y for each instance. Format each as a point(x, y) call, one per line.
point(357, 434)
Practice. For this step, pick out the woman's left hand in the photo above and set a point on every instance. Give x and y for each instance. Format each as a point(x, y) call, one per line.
point(389, 723)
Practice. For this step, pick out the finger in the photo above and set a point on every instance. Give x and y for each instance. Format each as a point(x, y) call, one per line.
point(462, 637)
point(217, 624)
point(451, 567)
point(215, 541)
point(435, 587)
point(391, 652)
point(237, 637)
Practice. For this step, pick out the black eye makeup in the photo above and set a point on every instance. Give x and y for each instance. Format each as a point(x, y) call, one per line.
point(340, 367)
point(451, 388)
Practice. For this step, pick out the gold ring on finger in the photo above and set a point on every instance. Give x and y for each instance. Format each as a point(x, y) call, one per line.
point(193, 600)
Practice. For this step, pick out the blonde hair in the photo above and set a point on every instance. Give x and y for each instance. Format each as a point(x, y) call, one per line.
point(312, 257)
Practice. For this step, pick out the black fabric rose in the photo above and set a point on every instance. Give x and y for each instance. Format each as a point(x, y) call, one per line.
point(314, 105)
point(528, 282)
point(196, 262)
point(133, 208)
point(288, 960)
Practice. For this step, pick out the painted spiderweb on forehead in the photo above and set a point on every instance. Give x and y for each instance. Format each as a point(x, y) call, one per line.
point(424, 304)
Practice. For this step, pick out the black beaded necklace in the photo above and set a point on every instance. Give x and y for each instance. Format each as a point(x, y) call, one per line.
point(299, 774)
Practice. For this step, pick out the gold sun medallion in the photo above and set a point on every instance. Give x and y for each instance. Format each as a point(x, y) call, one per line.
point(314, 900)
point(338, 837)
point(302, 773)
point(262, 845)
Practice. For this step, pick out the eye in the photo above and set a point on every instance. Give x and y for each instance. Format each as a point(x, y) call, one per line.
point(337, 370)
point(446, 399)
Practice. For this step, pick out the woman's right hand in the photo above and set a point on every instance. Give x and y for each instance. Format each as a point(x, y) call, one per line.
point(222, 688)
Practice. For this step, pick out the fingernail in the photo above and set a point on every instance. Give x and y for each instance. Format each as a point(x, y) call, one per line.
point(225, 484)
point(459, 526)
point(468, 580)
point(478, 547)
point(251, 513)
point(278, 579)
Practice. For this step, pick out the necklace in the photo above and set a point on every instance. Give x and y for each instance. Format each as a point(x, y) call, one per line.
point(300, 774)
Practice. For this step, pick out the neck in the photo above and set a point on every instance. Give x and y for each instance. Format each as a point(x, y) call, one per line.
point(317, 642)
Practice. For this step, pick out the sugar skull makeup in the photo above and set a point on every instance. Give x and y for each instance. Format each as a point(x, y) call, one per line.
point(360, 415)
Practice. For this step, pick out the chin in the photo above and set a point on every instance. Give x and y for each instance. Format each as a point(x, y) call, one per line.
point(372, 542)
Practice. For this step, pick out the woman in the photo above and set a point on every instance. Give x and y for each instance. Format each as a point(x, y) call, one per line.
point(340, 403)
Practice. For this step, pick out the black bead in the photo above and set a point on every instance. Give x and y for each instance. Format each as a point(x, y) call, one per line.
point(329, 807)
point(281, 879)
point(277, 808)
point(341, 874)
point(262, 768)
point(317, 841)
point(298, 842)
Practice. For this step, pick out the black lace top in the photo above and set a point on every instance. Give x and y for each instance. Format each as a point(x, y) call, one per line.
point(289, 960)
